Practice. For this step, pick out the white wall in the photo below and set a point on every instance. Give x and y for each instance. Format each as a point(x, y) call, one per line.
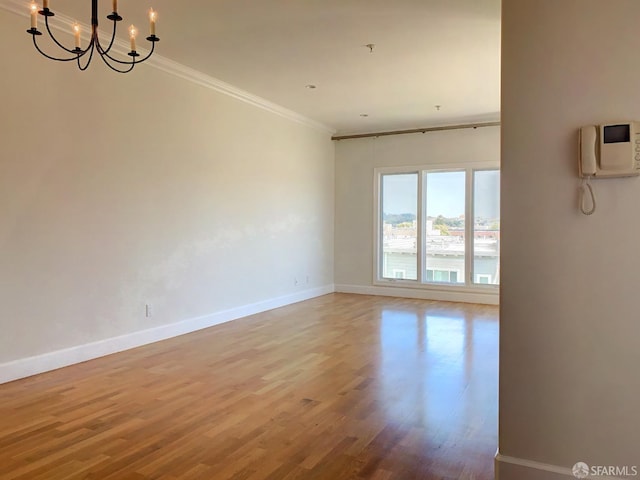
point(355, 164)
point(122, 190)
point(570, 321)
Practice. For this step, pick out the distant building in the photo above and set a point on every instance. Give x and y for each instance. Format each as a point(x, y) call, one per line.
point(445, 255)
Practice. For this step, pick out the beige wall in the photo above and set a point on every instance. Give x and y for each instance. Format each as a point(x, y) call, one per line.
point(355, 164)
point(121, 190)
point(570, 322)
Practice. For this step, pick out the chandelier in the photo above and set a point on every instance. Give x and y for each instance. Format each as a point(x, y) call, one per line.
point(83, 56)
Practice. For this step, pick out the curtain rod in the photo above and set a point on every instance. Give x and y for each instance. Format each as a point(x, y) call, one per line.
point(416, 130)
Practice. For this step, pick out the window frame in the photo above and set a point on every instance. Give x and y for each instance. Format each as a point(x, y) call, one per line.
point(421, 283)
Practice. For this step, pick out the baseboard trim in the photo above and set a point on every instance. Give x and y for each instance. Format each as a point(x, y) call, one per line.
point(537, 470)
point(488, 298)
point(530, 464)
point(26, 367)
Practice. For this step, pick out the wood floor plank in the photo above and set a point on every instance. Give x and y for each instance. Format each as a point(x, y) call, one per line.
point(339, 387)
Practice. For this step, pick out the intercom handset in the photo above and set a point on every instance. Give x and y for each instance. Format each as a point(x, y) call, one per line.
point(607, 151)
point(610, 150)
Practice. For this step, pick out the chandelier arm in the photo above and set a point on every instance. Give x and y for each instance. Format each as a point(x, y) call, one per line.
point(46, 22)
point(133, 64)
point(101, 50)
point(86, 65)
point(121, 62)
point(104, 53)
point(113, 37)
point(153, 47)
point(127, 70)
point(53, 58)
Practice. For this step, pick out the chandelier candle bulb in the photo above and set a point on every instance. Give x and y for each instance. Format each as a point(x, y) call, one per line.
point(153, 15)
point(115, 6)
point(34, 14)
point(132, 35)
point(45, 3)
point(76, 33)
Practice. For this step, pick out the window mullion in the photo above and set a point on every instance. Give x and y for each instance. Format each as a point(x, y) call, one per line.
point(468, 227)
point(422, 222)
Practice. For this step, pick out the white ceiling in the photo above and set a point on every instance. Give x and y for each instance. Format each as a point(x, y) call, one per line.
point(427, 53)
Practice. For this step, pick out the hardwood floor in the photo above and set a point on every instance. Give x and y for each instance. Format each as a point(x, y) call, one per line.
point(338, 387)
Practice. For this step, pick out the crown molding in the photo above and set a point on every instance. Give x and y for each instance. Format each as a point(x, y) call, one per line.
point(199, 78)
point(63, 23)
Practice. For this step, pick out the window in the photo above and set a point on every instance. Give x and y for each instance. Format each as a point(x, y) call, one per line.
point(445, 224)
point(438, 226)
point(486, 226)
point(399, 226)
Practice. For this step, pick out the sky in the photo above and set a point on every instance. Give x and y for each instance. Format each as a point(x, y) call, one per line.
point(445, 194)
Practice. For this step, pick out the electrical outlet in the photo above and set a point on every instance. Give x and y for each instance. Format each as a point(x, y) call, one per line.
point(147, 310)
point(295, 281)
